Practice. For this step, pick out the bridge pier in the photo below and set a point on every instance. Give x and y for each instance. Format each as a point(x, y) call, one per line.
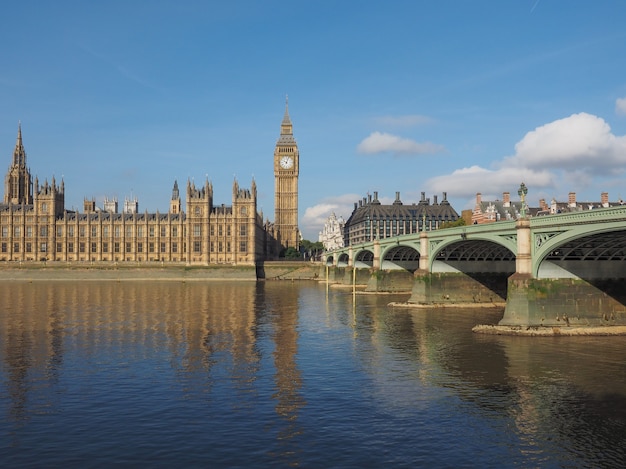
point(458, 288)
point(564, 302)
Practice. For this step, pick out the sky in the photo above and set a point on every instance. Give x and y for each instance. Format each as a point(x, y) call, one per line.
point(122, 98)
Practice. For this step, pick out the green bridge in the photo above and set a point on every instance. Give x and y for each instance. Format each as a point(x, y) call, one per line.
point(556, 270)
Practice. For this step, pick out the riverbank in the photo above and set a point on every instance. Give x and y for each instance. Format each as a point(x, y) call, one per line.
point(86, 271)
point(534, 331)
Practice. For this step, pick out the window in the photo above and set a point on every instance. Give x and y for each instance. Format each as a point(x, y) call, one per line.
point(116, 247)
point(29, 247)
point(29, 231)
point(139, 231)
point(43, 231)
point(244, 210)
point(59, 231)
point(117, 231)
point(220, 247)
point(198, 211)
point(94, 247)
point(70, 247)
point(196, 230)
point(220, 230)
point(163, 231)
point(105, 247)
point(81, 247)
point(174, 247)
point(129, 231)
point(212, 246)
point(94, 231)
point(174, 231)
point(196, 246)
point(43, 247)
point(212, 230)
point(82, 231)
point(59, 247)
point(228, 230)
point(44, 207)
point(105, 231)
point(128, 246)
point(227, 246)
point(70, 231)
point(243, 246)
point(150, 247)
point(5, 231)
point(4, 247)
point(16, 231)
point(139, 247)
point(151, 231)
point(163, 247)
point(16, 247)
point(243, 230)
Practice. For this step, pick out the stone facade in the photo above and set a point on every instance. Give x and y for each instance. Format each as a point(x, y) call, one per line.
point(36, 226)
point(332, 234)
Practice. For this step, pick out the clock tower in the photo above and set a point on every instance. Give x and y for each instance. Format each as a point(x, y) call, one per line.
point(286, 169)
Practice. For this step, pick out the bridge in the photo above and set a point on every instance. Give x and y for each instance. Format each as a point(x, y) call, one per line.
point(555, 270)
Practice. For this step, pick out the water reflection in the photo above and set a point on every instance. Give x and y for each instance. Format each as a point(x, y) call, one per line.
point(293, 374)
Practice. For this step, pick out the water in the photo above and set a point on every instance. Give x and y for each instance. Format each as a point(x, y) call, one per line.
point(281, 374)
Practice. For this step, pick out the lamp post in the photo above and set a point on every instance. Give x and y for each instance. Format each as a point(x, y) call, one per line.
point(523, 190)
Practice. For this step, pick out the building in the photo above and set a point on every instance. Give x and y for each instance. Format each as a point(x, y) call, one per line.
point(501, 210)
point(371, 220)
point(286, 170)
point(331, 236)
point(36, 226)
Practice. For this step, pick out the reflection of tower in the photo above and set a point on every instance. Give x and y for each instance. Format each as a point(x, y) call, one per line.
point(286, 169)
point(284, 303)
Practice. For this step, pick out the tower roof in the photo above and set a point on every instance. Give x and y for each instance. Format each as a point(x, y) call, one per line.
point(19, 155)
point(286, 128)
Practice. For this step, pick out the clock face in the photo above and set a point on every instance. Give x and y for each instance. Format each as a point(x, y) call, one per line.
point(286, 162)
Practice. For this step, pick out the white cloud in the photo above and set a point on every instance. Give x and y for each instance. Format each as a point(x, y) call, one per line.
point(409, 120)
point(575, 142)
point(314, 217)
point(379, 142)
point(564, 155)
point(620, 106)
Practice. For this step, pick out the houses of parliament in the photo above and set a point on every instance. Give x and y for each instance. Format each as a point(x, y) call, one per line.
point(36, 226)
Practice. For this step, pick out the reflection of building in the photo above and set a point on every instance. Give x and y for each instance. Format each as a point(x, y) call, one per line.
point(35, 225)
point(332, 234)
point(371, 220)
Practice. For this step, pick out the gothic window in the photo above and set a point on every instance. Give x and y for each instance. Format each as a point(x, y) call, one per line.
point(196, 246)
point(174, 247)
point(150, 247)
point(59, 231)
point(94, 247)
point(151, 231)
point(198, 211)
point(163, 247)
point(196, 230)
point(174, 231)
point(43, 247)
point(43, 231)
point(228, 230)
point(29, 247)
point(105, 247)
point(16, 247)
point(243, 246)
point(105, 231)
point(5, 231)
point(81, 247)
point(243, 230)
point(70, 247)
point(117, 231)
point(16, 231)
point(116, 247)
point(139, 247)
point(94, 232)
point(163, 231)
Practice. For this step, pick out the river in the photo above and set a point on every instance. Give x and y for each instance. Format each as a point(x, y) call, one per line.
point(291, 374)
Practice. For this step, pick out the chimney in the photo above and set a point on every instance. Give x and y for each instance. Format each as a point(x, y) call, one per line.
point(375, 195)
point(434, 200)
point(506, 199)
point(604, 197)
point(571, 199)
point(543, 204)
point(479, 198)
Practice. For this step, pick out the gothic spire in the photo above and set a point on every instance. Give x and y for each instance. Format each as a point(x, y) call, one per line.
point(286, 119)
point(19, 155)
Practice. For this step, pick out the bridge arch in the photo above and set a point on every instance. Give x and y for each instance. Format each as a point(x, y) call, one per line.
point(364, 259)
point(400, 257)
point(584, 251)
point(473, 255)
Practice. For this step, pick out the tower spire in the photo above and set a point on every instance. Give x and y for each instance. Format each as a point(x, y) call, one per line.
point(19, 155)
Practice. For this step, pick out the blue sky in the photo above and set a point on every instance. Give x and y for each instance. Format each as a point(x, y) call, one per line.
point(120, 98)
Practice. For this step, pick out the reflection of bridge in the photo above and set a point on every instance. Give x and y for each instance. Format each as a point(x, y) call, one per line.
point(552, 270)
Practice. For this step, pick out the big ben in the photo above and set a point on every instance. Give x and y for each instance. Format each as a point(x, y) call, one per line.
point(286, 169)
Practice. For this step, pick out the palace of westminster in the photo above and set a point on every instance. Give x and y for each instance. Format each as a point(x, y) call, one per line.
point(36, 226)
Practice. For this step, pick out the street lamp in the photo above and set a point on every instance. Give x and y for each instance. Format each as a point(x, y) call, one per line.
point(523, 190)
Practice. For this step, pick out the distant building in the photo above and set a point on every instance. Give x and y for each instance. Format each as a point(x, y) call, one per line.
point(332, 234)
point(371, 220)
point(490, 211)
point(36, 226)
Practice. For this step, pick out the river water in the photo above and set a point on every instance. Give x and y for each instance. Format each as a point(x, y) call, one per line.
point(282, 374)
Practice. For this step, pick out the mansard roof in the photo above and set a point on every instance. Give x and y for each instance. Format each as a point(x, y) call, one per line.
point(374, 210)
